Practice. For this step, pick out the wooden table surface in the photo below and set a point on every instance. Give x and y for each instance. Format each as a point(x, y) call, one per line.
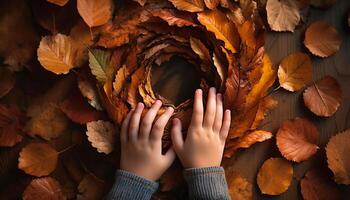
point(291, 105)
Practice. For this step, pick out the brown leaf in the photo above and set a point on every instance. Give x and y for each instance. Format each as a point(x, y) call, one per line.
point(323, 97)
point(200, 49)
point(91, 188)
point(297, 139)
point(173, 18)
point(95, 12)
point(223, 29)
point(189, 5)
point(58, 2)
point(275, 176)
point(337, 151)
point(251, 138)
point(89, 90)
point(317, 186)
point(239, 187)
point(44, 188)
point(38, 159)
point(120, 78)
point(102, 135)
point(11, 123)
point(7, 81)
point(211, 4)
point(295, 71)
point(322, 39)
point(57, 53)
point(282, 15)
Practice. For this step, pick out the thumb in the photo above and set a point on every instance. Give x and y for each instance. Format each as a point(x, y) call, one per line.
point(169, 157)
point(176, 135)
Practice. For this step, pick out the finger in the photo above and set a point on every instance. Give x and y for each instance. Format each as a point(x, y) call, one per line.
point(147, 121)
point(124, 128)
point(225, 125)
point(176, 135)
point(197, 115)
point(210, 110)
point(159, 125)
point(169, 157)
point(135, 122)
point(218, 114)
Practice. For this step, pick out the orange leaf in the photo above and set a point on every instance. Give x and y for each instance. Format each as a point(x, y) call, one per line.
point(295, 71)
point(44, 188)
point(7, 81)
point(282, 15)
point(323, 97)
point(173, 18)
point(95, 12)
point(211, 4)
point(200, 49)
point(91, 188)
point(102, 135)
point(296, 139)
point(337, 151)
point(251, 138)
point(58, 2)
point(38, 159)
point(239, 187)
point(11, 123)
point(275, 176)
point(322, 39)
point(189, 5)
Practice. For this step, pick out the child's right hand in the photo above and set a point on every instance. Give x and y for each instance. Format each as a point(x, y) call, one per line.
point(205, 140)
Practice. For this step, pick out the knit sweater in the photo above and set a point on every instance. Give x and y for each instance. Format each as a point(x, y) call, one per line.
point(203, 184)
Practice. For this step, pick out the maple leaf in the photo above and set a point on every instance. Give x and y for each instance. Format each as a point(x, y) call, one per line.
point(275, 176)
point(322, 39)
point(38, 159)
point(11, 123)
point(337, 157)
point(99, 62)
point(323, 97)
point(296, 139)
point(95, 12)
point(44, 188)
point(216, 22)
point(295, 71)
point(7, 81)
point(57, 53)
point(58, 2)
point(102, 135)
point(189, 5)
point(282, 15)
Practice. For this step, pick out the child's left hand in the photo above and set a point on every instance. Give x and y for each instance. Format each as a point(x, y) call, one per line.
point(141, 144)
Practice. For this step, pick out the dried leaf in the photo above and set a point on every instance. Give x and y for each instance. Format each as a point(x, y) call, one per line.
point(316, 186)
point(223, 29)
point(323, 97)
point(11, 123)
point(189, 5)
point(102, 135)
point(251, 138)
point(295, 71)
point(91, 188)
point(120, 78)
point(200, 49)
point(38, 159)
point(282, 15)
point(275, 176)
point(99, 64)
point(239, 187)
point(44, 188)
point(297, 139)
point(57, 53)
point(173, 18)
point(337, 151)
point(211, 4)
point(95, 12)
point(322, 39)
point(7, 81)
point(58, 2)
point(89, 91)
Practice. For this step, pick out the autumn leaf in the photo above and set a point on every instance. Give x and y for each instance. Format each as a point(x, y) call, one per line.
point(95, 12)
point(211, 4)
point(189, 5)
point(322, 39)
point(11, 124)
point(58, 2)
point(173, 18)
point(323, 97)
point(297, 139)
point(238, 187)
point(120, 78)
point(44, 188)
point(7, 81)
point(282, 15)
point(250, 138)
point(102, 135)
point(89, 91)
point(91, 188)
point(99, 65)
point(275, 176)
point(57, 53)
point(200, 49)
point(317, 186)
point(295, 71)
point(337, 157)
point(216, 22)
point(38, 159)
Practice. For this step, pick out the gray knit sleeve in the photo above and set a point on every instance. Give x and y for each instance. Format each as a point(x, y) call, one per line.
point(128, 186)
point(207, 183)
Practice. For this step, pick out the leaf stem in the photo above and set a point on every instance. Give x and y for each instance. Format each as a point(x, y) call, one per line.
point(66, 149)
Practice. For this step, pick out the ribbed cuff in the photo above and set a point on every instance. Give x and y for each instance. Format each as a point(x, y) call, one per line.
point(207, 183)
point(130, 186)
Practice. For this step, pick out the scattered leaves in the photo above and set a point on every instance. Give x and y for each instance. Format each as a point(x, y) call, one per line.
point(44, 188)
point(102, 135)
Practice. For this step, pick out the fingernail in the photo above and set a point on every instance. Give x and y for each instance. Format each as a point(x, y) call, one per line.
point(170, 109)
point(219, 96)
point(213, 89)
point(140, 105)
point(199, 90)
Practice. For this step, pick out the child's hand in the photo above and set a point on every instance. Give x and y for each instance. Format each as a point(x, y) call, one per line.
point(141, 145)
point(205, 140)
